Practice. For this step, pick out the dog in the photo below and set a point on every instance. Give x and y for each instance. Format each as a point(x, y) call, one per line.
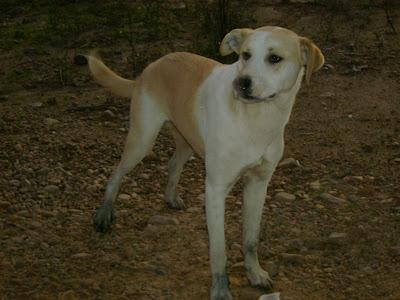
point(233, 116)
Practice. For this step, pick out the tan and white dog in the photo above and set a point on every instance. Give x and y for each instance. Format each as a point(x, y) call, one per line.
point(233, 116)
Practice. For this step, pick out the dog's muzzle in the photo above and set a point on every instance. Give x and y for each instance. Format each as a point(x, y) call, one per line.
point(242, 91)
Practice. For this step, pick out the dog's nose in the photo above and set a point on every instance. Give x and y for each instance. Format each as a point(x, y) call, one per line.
point(244, 83)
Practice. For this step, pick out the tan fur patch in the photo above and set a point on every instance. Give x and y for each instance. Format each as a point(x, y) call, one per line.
point(174, 80)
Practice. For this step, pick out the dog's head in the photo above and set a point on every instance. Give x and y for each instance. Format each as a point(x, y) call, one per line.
point(270, 62)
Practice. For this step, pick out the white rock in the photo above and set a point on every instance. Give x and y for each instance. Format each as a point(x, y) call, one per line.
point(51, 121)
point(315, 185)
point(332, 199)
point(124, 197)
point(273, 296)
point(337, 237)
point(81, 255)
point(51, 189)
point(37, 104)
point(108, 114)
point(289, 162)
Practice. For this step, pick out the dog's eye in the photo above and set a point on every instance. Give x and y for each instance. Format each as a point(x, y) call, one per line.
point(246, 55)
point(274, 59)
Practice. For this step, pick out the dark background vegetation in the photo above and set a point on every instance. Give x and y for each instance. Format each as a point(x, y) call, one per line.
point(142, 31)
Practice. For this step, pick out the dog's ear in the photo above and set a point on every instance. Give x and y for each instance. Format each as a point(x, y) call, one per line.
point(233, 41)
point(312, 57)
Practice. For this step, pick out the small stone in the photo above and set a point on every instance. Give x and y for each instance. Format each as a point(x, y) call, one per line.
point(51, 121)
point(19, 147)
point(144, 176)
point(238, 265)
point(386, 201)
point(359, 68)
point(15, 182)
point(51, 189)
point(337, 237)
point(177, 4)
point(35, 224)
point(293, 259)
point(37, 104)
point(25, 213)
point(81, 255)
point(44, 245)
point(329, 67)
point(108, 114)
point(80, 60)
point(315, 185)
point(273, 296)
point(289, 163)
point(332, 199)
point(394, 251)
point(327, 95)
point(124, 197)
point(151, 156)
point(163, 220)
point(283, 196)
point(353, 198)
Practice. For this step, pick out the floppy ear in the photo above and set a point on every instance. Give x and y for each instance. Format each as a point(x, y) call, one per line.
point(312, 57)
point(233, 41)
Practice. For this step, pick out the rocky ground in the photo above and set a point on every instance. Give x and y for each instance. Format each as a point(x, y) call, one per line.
point(331, 221)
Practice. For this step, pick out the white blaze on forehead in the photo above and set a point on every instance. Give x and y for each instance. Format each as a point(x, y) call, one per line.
point(277, 42)
point(256, 42)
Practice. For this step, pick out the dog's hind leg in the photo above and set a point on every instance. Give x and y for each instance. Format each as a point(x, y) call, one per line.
point(146, 121)
point(182, 153)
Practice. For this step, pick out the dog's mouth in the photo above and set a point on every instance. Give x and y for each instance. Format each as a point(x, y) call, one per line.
point(248, 98)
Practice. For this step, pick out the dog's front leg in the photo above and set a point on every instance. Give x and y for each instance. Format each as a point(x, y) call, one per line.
point(215, 209)
point(255, 189)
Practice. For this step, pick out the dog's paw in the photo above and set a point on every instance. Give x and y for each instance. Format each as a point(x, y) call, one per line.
point(220, 288)
point(259, 278)
point(103, 219)
point(176, 203)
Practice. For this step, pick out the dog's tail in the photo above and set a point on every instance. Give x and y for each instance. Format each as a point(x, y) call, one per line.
point(108, 79)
